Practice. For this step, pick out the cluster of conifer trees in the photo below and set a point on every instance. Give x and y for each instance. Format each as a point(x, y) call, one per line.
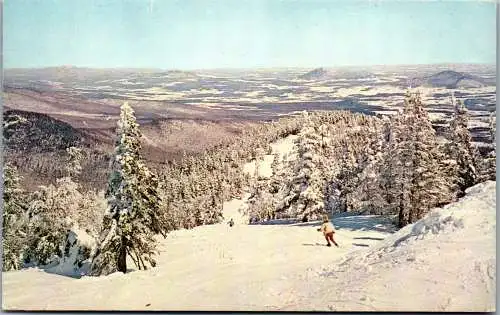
point(137, 205)
point(383, 165)
point(343, 162)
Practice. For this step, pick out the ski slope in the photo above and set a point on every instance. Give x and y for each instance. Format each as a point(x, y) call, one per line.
point(444, 262)
point(246, 267)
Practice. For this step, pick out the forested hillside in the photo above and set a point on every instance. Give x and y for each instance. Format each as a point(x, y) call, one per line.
point(340, 162)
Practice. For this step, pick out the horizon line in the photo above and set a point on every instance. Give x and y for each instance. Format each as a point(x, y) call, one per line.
point(254, 68)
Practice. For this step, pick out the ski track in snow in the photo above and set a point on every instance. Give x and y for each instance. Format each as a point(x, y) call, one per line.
point(444, 262)
point(216, 267)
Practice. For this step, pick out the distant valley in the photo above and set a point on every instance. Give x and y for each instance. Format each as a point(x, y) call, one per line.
point(190, 111)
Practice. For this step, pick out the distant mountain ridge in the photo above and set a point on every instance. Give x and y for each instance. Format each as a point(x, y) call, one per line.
point(322, 74)
point(317, 73)
point(69, 75)
point(449, 79)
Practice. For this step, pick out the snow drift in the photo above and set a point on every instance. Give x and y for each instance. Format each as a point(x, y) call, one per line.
point(444, 262)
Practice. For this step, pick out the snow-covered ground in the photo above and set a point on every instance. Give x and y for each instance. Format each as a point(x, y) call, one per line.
point(235, 209)
point(246, 267)
point(446, 261)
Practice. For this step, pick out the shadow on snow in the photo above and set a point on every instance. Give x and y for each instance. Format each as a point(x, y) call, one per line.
point(347, 221)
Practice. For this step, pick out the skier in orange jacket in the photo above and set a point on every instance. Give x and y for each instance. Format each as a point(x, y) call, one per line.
point(328, 231)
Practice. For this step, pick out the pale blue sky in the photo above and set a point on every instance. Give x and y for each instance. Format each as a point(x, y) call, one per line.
point(195, 34)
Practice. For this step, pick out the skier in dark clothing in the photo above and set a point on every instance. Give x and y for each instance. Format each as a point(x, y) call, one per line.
point(231, 222)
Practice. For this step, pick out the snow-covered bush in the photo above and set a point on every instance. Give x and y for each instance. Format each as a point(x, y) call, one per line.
point(76, 258)
point(54, 211)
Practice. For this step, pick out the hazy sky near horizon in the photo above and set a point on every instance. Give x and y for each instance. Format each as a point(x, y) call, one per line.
point(196, 34)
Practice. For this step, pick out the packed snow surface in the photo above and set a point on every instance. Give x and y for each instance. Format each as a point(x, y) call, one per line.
point(444, 262)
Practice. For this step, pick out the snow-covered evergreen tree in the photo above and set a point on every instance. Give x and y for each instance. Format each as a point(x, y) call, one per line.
point(418, 180)
point(346, 176)
point(461, 149)
point(74, 166)
point(370, 190)
point(132, 218)
point(14, 220)
point(393, 178)
point(488, 163)
point(308, 184)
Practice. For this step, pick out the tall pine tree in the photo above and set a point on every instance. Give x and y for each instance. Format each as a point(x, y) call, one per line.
point(309, 182)
point(14, 221)
point(419, 182)
point(461, 148)
point(132, 218)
